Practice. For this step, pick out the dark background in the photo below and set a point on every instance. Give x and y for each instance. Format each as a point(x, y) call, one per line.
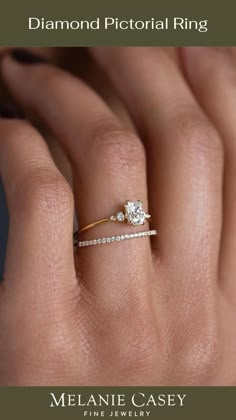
point(3, 228)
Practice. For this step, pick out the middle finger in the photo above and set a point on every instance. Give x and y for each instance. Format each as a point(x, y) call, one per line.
point(184, 150)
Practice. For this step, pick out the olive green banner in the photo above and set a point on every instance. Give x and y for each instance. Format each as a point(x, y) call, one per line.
point(117, 22)
point(57, 403)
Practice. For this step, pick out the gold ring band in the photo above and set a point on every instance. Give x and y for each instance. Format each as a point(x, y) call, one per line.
point(131, 214)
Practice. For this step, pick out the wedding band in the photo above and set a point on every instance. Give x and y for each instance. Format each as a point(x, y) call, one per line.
point(118, 238)
point(131, 214)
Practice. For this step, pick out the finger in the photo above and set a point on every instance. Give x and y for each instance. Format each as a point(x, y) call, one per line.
point(39, 252)
point(212, 75)
point(183, 150)
point(108, 161)
point(173, 53)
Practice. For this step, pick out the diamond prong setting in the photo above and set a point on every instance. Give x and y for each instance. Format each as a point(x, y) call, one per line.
point(132, 214)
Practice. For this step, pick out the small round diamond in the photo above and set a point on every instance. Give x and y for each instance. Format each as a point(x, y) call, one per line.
point(113, 238)
point(108, 240)
point(120, 216)
point(104, 240)
point(117, 238)
point(122, 237)
point(94, 242)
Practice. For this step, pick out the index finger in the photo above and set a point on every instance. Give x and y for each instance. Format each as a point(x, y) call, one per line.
point(40, 203)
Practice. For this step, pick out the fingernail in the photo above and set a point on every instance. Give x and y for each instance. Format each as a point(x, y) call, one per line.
point(8, 111)
point(26, 57)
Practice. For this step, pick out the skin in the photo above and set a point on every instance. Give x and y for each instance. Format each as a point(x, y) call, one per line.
point(140, 312)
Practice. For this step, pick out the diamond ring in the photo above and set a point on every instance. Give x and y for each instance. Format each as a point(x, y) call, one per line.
point(132, 213)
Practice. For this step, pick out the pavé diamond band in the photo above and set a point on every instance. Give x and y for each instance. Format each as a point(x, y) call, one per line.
point(118, 238)
point(131, 214)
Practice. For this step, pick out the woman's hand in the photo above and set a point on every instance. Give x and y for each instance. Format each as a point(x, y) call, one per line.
point(135, 312)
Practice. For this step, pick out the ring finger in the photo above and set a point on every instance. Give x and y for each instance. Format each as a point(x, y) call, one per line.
point(185, 161)
point(108, 162)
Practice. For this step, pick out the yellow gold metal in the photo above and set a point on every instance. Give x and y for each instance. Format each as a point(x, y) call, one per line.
point(99, 222)
point(91, 225)
point(123, 216)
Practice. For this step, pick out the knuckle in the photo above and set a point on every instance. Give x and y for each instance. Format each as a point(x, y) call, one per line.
point(198, 355)
point(45, 191)
point(134, 354)
point(202, 359)
point(21, 362)
point(119, 148)
point(140, 355)
point(193, 132)
point(138, 351)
